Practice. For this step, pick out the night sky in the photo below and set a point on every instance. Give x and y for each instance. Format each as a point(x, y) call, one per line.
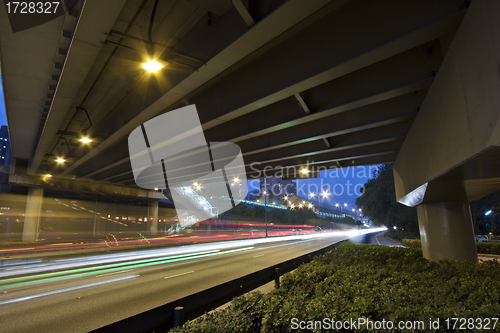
point(343, 185)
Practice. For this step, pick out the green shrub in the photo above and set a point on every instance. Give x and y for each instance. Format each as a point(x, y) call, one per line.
point(488, 248)
point(370, 281)
point(482, 248)
point(415, 243)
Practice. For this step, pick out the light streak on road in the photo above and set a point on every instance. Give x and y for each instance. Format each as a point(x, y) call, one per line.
point(124, 259)
point(42, 278)
point(94, 284)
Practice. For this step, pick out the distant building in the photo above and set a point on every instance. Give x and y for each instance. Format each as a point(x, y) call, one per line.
point(5, 152)
point(277, 187)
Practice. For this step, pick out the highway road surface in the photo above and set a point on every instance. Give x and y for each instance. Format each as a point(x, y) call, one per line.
point(83, 294)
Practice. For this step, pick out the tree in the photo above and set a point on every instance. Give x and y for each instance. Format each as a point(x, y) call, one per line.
point(482, 223)
point(379, 202)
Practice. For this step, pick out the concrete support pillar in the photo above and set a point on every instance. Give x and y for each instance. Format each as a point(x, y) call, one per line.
point(153, 217)
point(33, 214)
point(446, 231)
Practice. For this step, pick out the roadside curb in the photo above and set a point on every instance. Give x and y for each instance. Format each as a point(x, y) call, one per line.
point(395, 240)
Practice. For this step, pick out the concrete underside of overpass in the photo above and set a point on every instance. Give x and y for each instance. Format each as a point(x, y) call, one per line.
point(316, 84)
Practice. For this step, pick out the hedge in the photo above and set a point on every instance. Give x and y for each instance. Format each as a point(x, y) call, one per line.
point(488, 248)
point(370, 281)
point(484, 248)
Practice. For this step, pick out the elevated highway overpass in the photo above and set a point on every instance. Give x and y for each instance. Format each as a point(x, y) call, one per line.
point(300, 84)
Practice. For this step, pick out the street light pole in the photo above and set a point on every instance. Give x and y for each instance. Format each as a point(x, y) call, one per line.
point(265, 202)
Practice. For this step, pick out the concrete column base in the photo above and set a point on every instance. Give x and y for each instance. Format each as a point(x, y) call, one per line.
point(33, 214)
point(446, 231)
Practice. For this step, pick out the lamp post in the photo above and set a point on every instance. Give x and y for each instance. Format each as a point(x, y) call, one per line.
point(265, 203)
point(325, 194)
point(490, 212)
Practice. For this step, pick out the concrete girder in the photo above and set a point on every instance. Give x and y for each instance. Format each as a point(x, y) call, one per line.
point(350, 141)
point(451, 153)
point(378, 114)
point(33, 51)
point(391, 111)
point(83, 186)
point(321, 158)
point(95, 21)
point(291, 15)
point(288, 104)
point(369, 137)
point(459, 119)
point(409, 33)
point(293, 170)
point(396, 75)
point(362, 160)
point(242, 96)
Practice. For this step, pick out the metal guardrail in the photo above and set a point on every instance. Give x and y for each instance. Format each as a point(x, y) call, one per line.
point(162, 318)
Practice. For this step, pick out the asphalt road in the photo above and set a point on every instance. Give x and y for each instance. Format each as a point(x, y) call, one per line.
point(380, 239)
point(83, 298)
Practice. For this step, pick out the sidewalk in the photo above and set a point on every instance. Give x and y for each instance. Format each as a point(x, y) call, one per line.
point(486, 257)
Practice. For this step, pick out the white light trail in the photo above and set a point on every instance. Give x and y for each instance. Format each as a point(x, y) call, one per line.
point(20, 299)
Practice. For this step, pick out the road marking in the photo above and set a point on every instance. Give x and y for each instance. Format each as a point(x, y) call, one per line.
point(127, 270)
point(260, 255)
point(376, 238)
point(168, 277)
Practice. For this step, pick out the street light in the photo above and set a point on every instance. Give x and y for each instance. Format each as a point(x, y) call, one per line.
point(85, 140)
point(265, 202)
point(325, 194)
point(152, 66)
point(492, 221)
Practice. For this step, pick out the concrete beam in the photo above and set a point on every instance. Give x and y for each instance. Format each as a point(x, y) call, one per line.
point(429, 21)
point(83, 186)
point(27, 63)
point(396, 111)
point(459, 119)
point(242, 10)
point(403, 73)
point(291, 15)
point(375, 115)
point(96, 20)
